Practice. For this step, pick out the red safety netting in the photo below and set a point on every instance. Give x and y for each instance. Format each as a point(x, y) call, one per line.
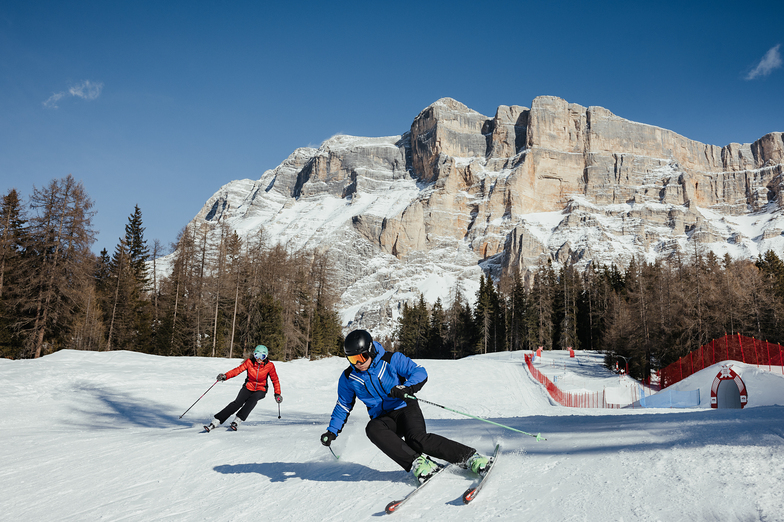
point(596, 399)
point(733, 347)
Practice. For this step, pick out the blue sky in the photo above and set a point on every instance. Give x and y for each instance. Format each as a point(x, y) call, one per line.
point(161, 103)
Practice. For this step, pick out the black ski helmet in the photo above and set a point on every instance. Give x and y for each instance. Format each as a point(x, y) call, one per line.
point(357, 342)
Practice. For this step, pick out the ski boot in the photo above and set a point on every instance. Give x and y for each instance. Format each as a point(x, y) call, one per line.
point(424, 468)
point(478, 464)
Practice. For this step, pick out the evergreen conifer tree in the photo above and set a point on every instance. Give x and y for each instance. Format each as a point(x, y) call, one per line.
point(12, 220)
point(11, 236)
point(123, 289)
point(138, 252)
point(412, 330)
point(436, 345)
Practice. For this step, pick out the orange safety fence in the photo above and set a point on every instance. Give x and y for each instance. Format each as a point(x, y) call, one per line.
point(595, 399)
point(734, 347)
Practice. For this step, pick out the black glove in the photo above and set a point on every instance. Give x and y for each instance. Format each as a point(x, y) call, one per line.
point(221, 377)
point(399, 392)
point(327, 438)
point(278, 398)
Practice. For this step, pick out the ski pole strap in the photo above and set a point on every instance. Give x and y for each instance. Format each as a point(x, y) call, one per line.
point(538, 436)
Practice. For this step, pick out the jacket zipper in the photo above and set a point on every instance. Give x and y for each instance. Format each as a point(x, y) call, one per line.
point(372, 384)
point(258, 371)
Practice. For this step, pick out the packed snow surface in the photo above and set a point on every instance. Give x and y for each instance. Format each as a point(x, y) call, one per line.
point(98, 436)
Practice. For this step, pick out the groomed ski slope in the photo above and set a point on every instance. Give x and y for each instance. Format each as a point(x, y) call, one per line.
point(96, 436)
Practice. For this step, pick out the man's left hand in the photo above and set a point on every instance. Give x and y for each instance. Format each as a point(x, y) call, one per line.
point(399, 392)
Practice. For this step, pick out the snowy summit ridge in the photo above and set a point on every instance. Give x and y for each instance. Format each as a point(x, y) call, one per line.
point(459, 194)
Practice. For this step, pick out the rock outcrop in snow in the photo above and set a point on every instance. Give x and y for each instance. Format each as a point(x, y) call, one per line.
point(429, 210)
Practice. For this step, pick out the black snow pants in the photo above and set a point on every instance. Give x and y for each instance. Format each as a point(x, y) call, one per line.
point(388, 431)
point(245, 402)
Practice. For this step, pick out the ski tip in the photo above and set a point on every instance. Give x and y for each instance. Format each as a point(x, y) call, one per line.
point(392, 506)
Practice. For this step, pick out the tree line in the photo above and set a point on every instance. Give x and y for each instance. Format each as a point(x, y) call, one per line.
point(221, 295)
point(646, 314)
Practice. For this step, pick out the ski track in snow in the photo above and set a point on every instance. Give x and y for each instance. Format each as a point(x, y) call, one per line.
point(98, 437)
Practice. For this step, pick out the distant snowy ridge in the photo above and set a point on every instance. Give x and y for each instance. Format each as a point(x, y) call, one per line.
point(459, 194)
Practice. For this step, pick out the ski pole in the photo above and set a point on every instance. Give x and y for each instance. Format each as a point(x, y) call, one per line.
point(278, 410)
point(538, 436)
point(197, 400)
point(337, 457)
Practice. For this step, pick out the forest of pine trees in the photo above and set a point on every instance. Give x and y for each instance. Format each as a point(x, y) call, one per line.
point(223, 295)
point(648, 314)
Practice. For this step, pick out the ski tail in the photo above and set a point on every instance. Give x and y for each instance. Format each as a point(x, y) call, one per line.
point(469, 495)
point(395, 504)
point(392, 506)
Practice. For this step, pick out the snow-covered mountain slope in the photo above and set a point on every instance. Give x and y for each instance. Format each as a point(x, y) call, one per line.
point(460, 194)
point(97, 436)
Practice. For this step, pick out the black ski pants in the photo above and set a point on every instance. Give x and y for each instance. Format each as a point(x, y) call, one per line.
point(402, 436)
point(245, 402)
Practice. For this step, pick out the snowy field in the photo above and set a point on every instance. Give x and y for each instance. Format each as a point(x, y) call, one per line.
point(97, 436)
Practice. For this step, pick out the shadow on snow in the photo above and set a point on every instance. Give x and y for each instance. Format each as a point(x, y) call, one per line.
point(750, 427)
point(315, 471)
point(106, 408)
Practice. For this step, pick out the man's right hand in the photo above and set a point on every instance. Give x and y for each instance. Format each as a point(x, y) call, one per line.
point(327, 438)
point(221, 377)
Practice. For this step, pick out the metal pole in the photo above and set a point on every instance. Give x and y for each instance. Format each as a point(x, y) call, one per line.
point(197, 400)
point(538, 436)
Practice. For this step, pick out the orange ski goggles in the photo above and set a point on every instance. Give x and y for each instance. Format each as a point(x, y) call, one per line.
point(359, 358)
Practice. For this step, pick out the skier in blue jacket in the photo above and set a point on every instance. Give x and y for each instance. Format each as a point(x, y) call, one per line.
point(381, 380)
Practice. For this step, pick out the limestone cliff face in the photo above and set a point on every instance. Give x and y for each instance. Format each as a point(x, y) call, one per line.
point(461, 193)
point(489, 172)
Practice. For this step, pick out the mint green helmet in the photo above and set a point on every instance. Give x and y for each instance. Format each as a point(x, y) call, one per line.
point(261, 352)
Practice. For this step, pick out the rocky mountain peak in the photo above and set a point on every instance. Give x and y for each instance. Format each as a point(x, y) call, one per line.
point(461, 194)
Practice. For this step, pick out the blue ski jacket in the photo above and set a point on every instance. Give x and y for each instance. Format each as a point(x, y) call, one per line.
point(372, 387)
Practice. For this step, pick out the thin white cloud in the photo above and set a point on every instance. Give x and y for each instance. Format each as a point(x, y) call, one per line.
point(86, 90)
point(770, 62)
point(51, 103)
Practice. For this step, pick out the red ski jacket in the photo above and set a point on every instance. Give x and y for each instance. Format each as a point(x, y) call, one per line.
point(257, 375)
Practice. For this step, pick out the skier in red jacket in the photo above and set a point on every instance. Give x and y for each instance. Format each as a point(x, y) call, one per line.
point(259, 369)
